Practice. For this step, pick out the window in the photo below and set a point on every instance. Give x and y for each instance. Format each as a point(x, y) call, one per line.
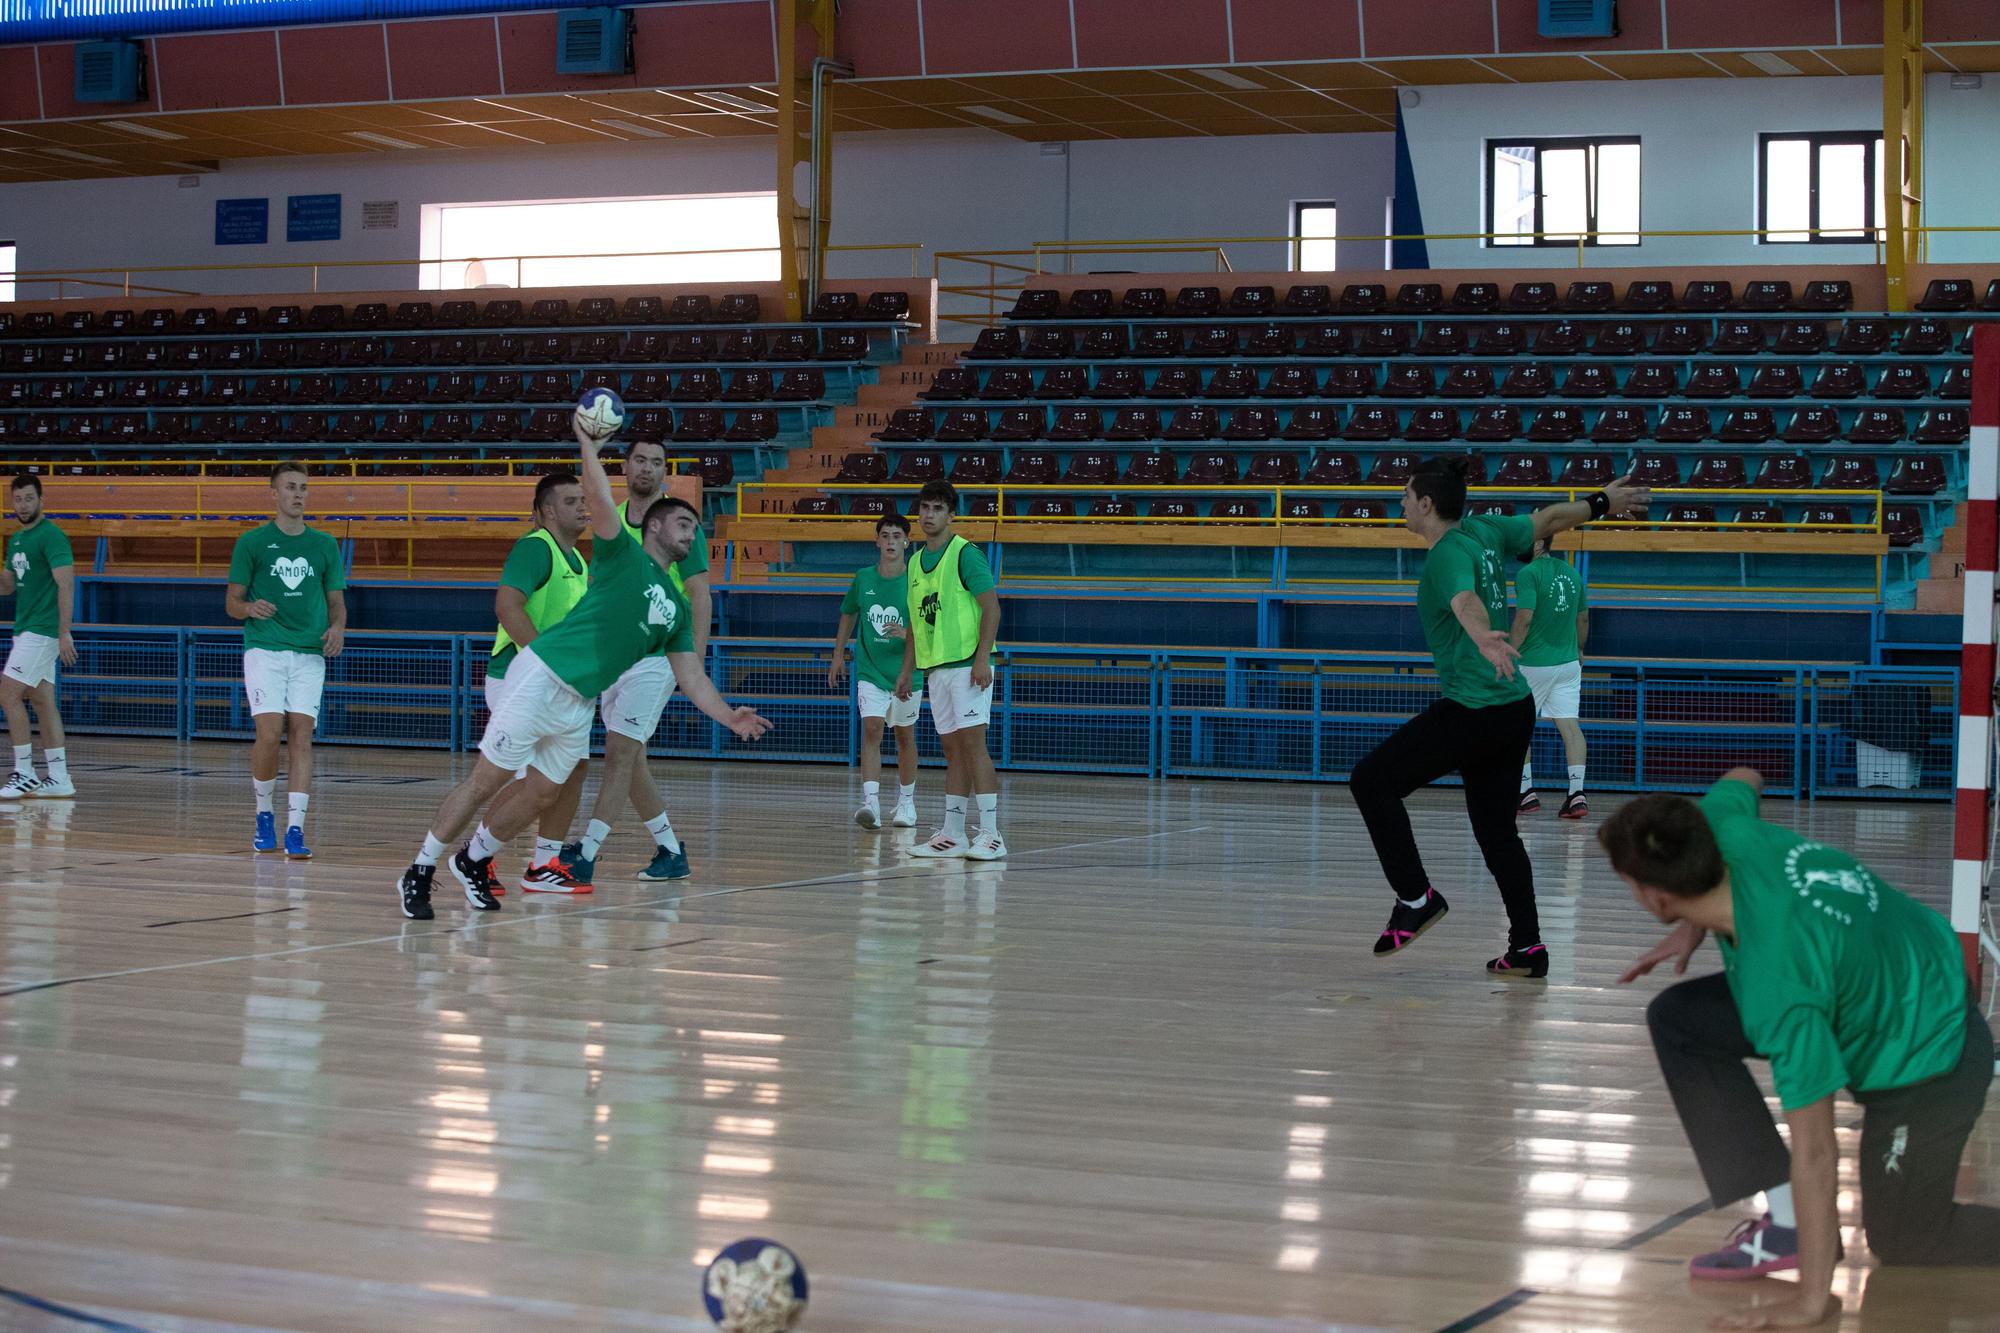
point(1550, 191)
point(1820, 189)
point(522, 244)
point(1313, 233)
point(6, 270)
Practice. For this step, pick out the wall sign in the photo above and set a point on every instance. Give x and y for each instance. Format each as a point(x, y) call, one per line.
point(312, 217)
point(242, 221)
point(381, 215)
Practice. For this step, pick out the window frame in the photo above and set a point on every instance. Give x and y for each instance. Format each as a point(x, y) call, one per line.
point(1299, 240)
point(1874, 227)
point(10, 286)
point(1535, 240)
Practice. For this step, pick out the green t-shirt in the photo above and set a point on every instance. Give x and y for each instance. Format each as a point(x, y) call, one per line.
point(528, 567)
point(1550, 589)
point(35, 553)
point(631, 611)
point(1472, 555)
point(293, 574)
point(973, 571)
point(1841, 980)
point(879, 603)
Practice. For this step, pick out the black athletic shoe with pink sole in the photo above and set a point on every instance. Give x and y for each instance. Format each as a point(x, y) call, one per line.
point(1529, 964)
point(1575, 807)
point(1530, 804)
point(1406, 923)
point(415, 889)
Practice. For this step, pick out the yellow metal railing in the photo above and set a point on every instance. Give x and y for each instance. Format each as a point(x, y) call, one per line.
point(95, 276)
point(1038, 259)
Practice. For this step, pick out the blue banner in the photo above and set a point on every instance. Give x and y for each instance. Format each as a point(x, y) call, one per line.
point(242, 221)
point(55, 20)
point(312, 217)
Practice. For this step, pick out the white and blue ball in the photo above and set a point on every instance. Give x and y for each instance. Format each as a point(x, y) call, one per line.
point(755, 1286)
point(600, 413)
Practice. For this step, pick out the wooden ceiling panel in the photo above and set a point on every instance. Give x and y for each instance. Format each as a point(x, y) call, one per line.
point(1657, 65)
point(1438, 71)
point(1550, 69)
point(1337, 74)
point(1126, 82)
point(1086, 110)
point(1983, 59)
point(1282, 103)
point(1338, 124)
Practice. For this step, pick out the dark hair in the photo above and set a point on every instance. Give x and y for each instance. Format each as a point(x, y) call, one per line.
point(548, 484)
point(1538, 548)
point(635, 445)
point(663, 506)
point(28, 481)
point(943, 492)
point(289, 465)
point(896, 521)
point(1442, 482)
point(1663, 842)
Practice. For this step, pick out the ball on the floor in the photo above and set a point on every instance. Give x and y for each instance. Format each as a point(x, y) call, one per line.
point(600, 412)
point(755, 1286)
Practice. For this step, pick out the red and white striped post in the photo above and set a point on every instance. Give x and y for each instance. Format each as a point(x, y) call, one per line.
point(1976, 664)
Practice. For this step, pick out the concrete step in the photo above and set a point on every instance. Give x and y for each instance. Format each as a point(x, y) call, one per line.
point(1940, 596)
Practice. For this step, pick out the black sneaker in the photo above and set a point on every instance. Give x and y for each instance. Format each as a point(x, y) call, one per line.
point(1529, 964)
point(476, 878)
point(1575, 807)
point(1406, 923)
point(1530, 804)
point(416, 890)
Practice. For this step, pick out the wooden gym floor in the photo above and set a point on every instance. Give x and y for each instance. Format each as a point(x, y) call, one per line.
point(1145, 1076)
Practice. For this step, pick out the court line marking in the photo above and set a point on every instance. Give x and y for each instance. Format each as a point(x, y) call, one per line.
point(69, 1312)
point(896, 872)
point(231, 916)
point(1487, 1314)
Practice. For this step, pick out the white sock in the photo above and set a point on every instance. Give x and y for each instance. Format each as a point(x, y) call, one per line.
point(954, 817)
point(265, 789)
point(871, 793)
point(1575, 778)
point(908, 793)
point(433, 849)
point(58, 762)
point(1778, 1201)
point(1527, 777)
point(295, 809)
point(1416, 902)
point(547, 850)
point(593, 838)
point(989, 812)
point(24, 759)
point(484, 846)
point(662, 830)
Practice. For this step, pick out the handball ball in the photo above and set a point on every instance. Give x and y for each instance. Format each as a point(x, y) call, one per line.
point(755, 1286)
point(600, 412)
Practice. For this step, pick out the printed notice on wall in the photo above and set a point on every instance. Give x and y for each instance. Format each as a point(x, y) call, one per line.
point(242, 221)
point(381, 214)
point(312, 217)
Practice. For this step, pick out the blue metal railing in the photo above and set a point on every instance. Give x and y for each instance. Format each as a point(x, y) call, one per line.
point(1256, 713)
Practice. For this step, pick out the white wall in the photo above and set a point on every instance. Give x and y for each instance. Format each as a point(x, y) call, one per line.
point(1698, 160)
point(951, 191)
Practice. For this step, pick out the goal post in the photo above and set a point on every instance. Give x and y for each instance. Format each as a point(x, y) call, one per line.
point(1973, 814)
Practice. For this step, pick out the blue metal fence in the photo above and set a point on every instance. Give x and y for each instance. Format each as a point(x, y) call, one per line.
point(1653, 725)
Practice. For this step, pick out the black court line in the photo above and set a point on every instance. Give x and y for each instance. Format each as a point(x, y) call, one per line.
point(1662, 1227)
point(650, 948)
point(232, 916)
point(67, 1312)
point(1487, 1314)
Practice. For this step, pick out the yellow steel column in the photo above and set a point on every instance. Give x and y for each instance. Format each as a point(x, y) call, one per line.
point(800, 251)
point(1902, 143)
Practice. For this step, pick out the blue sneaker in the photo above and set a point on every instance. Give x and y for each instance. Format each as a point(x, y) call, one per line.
point(580, 868)
point(667, 865)
point(295, 844)
point(267, 833)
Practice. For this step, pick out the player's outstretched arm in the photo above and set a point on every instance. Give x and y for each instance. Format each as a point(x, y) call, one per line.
point(605, 523)
point(747, 723)
point(1749, 777)
point(1617, 498)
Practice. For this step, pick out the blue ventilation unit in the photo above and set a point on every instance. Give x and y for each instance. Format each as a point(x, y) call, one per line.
point(1579, 18)
point(109, 72)
point(594, 41)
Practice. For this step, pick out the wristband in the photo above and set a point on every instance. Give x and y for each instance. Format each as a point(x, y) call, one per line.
point(1600, 504)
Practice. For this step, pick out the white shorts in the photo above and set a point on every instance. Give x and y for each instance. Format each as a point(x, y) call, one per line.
point(877, 702)
point(497, 688)
point(955, 704)
point(281, 681)
point(32, 659)
point(633, 704)
point(541, 723)
point(1558, 689)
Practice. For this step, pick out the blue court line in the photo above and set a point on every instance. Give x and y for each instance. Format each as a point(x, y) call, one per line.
point(67, 1312)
